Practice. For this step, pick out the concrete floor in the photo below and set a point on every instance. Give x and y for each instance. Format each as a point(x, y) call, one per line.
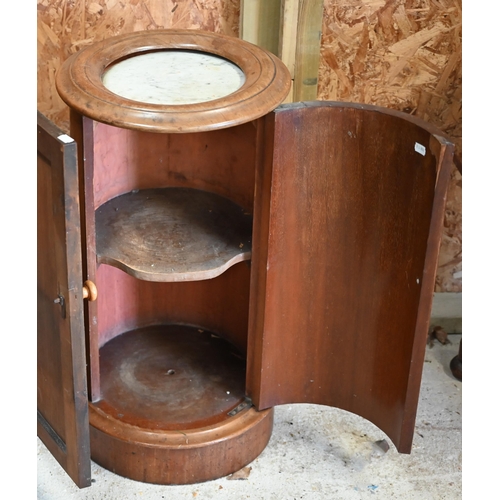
point(319, 453)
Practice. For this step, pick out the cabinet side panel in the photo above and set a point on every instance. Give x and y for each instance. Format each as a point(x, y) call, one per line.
point(352, 193)
point(62, 404)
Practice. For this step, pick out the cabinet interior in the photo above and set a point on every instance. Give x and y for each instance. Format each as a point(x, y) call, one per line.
point(197, 189)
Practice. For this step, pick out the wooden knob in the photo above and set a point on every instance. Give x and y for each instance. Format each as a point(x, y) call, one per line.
point(89, 291)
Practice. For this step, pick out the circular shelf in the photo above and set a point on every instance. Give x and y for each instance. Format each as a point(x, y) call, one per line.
point(266, 82)
point(170, 377)
point(173, 407)
point(172, 234)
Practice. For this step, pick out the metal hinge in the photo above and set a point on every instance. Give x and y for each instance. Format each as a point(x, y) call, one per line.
point(242, 406)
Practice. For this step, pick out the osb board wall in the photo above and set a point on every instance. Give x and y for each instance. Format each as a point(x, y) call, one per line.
point(403, 54)
point(406, 55)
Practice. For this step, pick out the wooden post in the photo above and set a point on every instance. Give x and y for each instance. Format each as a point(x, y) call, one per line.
point(291, 29)
point(307, 50)
point(288, 38)
point(260, 23)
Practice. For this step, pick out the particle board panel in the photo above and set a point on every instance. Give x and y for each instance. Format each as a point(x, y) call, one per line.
point(405, 55)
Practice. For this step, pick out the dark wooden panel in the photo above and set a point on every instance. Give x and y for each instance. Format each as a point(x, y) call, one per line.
point(62, 402)
point(345, 250)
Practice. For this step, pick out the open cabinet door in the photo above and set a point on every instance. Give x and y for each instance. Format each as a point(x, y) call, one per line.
point(62, 404)
point(347, 227)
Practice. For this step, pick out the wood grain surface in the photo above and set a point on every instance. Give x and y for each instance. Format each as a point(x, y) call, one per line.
point(61, 375)
point(171, 377)
point(172, 234)
point(79, 83)
point(346, 237)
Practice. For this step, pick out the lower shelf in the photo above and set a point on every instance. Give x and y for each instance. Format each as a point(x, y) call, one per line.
point(173, 408)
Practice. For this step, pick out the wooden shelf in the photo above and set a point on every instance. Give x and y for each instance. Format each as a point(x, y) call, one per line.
point(172, 234)
point(173, 407)
point(171, 377)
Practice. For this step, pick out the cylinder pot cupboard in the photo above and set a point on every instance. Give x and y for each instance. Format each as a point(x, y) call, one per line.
point(206, 253)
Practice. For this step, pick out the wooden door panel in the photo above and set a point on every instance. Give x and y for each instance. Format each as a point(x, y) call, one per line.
point(62, 404)
point(347, 227)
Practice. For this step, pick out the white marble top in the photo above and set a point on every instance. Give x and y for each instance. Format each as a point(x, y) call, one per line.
point(173, 77)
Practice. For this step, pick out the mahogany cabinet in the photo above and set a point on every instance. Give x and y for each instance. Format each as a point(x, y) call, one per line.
point(206, 256)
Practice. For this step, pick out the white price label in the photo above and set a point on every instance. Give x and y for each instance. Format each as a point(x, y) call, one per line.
point(420, 149)
point(65, 138)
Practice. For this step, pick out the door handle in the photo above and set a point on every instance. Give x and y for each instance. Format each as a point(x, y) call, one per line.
point(89, 291)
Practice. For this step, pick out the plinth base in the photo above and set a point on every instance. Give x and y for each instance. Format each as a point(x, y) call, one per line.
point(173, 408)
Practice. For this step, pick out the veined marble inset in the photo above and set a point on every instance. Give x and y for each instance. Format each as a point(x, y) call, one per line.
point(173, 77)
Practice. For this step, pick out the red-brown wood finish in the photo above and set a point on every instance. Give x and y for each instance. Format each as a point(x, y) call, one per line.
point(267, 83)
point(218, 158)
point(117, 161)
point(347, 203)
point(62, 411)
point(221, 162)
point(171, 377)
point(82, 130)
point(172, 234)
point(173, 407)
point(179, 457)
point(347, 227)
point(219, 304)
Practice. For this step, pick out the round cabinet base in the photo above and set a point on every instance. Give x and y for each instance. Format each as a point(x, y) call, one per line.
point(173, 407)
point(179, 457)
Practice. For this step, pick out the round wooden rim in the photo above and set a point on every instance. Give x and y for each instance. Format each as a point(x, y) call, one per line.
point(230, 428)
point(79, 83)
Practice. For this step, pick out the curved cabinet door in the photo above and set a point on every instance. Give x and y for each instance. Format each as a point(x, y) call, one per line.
point(347, 226)
point(62, 404)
